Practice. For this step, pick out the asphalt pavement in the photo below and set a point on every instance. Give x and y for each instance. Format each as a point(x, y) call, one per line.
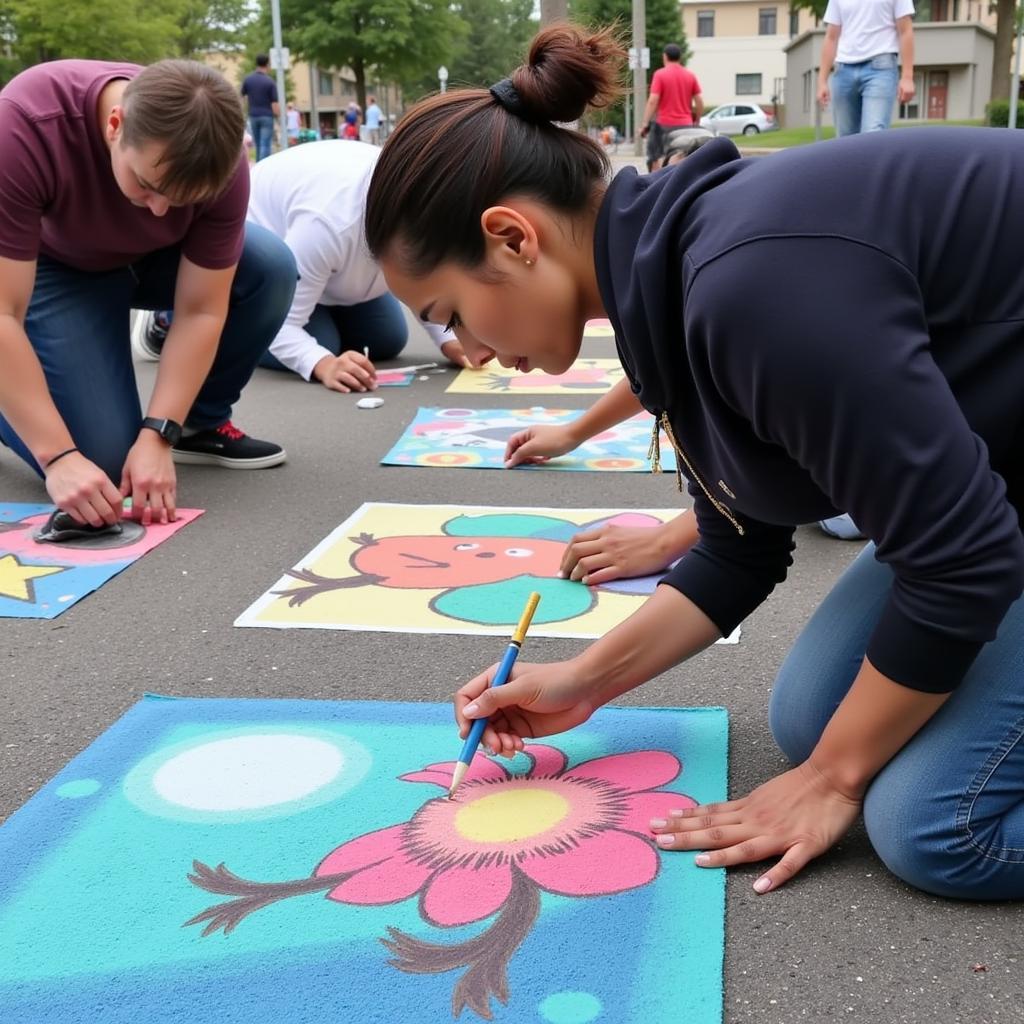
point(844, 941)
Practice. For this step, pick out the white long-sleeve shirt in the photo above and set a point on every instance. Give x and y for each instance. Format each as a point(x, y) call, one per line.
point(314, 197)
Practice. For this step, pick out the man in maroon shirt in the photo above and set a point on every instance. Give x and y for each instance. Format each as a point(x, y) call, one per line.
point(674, 102)
point(126, 187)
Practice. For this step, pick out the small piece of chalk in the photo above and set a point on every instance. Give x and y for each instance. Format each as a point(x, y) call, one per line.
point(369, 403)
point(424, 377)
point(366, 351)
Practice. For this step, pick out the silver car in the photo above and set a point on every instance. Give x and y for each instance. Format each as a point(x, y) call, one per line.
point(738, 119)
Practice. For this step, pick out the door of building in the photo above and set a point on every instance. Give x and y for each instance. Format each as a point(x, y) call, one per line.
point(938, 90)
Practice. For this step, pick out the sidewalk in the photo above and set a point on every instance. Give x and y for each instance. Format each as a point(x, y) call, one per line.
point(844, 942)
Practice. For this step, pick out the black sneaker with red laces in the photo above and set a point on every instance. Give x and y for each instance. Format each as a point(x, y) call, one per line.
point(229, 447)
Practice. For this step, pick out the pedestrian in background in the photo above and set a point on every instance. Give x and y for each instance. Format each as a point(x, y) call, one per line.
point(261, 92)
point(294, 121)
point(675, 102)
point(373, 116)
point(868, 41)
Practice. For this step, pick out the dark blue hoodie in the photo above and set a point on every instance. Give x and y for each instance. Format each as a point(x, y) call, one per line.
point(838, 328)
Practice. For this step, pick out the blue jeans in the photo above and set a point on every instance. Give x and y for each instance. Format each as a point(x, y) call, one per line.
point(78, 323)
point(946, 814)
point(378, 325)
point(262, 128)
point(863, 94)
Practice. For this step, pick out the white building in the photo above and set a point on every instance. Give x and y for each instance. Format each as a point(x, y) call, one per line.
point(737, 48)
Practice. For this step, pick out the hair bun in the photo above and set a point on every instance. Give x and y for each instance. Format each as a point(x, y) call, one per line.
point(569, 70)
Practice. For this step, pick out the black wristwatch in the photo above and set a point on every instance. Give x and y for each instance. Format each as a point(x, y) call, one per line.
point(167, 429)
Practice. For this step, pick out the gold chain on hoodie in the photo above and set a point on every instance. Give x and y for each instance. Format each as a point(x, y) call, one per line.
point(654, 455)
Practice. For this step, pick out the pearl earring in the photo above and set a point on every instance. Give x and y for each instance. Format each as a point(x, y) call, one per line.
point(528, 261)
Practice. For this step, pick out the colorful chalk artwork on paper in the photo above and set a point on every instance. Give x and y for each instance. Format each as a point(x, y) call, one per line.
point(453, 569)
point(285, 861)
point(584, 377)
point(459, 438)
point(41, 580)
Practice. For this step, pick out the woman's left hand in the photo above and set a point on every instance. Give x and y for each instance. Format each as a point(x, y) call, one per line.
point(798, 814)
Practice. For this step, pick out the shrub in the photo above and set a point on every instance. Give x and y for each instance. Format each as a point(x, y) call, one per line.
point(997, 114)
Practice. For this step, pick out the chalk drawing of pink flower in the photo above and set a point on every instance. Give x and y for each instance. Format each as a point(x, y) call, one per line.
point(579, 831)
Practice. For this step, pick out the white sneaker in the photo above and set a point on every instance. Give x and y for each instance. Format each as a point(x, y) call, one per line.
point(147, 335)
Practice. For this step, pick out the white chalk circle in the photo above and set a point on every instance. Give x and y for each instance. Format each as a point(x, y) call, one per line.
point(239, 775)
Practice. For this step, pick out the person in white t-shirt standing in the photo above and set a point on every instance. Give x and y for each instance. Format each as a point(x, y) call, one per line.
point(373, 117)
point(869, 42)
point(314, 197)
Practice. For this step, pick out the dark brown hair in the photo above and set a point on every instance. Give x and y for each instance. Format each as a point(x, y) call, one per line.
point(193, 111)
point(455, 154)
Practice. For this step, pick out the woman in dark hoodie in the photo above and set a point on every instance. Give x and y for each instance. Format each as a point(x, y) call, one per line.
point(872, 362)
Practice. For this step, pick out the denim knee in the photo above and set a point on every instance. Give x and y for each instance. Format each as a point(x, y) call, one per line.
point(266, 277)
point(922, 840)
point(795, 730)
point(390, 341)
point(108, 446)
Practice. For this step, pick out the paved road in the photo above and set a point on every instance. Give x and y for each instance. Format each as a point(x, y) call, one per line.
point(844, 942)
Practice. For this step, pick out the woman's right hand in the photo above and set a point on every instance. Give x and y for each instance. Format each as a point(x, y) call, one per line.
point(538, 444)
point(538, 700)
point(82, 489)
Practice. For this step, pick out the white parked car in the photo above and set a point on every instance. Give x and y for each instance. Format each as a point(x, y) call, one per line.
point(738, 119)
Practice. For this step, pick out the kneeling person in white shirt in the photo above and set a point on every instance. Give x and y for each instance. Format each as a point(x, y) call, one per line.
point(313, 196)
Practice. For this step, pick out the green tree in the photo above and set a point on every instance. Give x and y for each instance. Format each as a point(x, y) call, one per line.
point(816, 7)
point(499, 32)
point(205, 25)
point(663, 23)
point(129, 30)
point(496, 38)
point(392, 40)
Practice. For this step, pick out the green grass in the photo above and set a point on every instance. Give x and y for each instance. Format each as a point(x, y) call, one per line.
point(801, 136)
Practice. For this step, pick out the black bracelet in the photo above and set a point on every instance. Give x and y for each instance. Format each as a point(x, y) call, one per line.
point(59, 455)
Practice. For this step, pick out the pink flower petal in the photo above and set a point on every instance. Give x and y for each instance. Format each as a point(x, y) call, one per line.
point(363, 851)
point(546, 760)
point(481, 769)
point(435, 776)
point(609, 862)
point(636, 771)
point(633, 519)
point(387, 882)
point(641, 807)
point(462, 895)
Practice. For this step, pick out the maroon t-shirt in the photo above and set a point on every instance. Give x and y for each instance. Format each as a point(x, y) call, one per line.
point(58, 195)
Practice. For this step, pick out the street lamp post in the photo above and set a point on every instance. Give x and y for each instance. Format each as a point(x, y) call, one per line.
point(442, 77)
point(1015, 85)
point(280, 65)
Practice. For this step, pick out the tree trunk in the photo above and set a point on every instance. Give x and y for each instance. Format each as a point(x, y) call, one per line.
point(553, 10)
point(1003, 51)
point(359, 69)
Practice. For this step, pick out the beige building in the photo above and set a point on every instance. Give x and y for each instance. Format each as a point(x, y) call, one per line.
point(738, 47)
point(952, 66)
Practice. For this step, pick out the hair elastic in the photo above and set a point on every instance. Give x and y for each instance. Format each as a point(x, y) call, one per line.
point(508, 97)
point(58, 456)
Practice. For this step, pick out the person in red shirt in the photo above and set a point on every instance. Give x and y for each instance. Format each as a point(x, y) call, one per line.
point(674, 102)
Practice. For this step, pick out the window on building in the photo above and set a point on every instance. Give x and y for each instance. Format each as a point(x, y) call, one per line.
point(808, 90)
point(325, 85)
point(705, 24)
point(767, 21)
point(794, 23)
point(748, 85)
point(937, 10)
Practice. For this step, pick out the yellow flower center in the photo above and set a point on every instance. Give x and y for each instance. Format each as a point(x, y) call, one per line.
point(514, 814)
